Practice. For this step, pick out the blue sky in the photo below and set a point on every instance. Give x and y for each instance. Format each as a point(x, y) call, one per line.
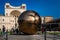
point(43, 7)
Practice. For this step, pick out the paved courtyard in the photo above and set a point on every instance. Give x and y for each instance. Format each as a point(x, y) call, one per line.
point(31, 37)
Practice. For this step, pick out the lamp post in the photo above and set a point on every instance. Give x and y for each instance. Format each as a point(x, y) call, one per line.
point(6, 35)
point(44, 29)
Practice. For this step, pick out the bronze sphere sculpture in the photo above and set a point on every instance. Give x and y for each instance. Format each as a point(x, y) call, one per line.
point(29, 21)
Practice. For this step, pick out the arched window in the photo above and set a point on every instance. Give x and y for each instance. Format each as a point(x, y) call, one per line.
point(6, 14)
point(3, 19)
point(7, 6)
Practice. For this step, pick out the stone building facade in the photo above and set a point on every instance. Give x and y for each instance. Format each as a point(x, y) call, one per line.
point(46, 19)
point(11, 16)
point(9, 20)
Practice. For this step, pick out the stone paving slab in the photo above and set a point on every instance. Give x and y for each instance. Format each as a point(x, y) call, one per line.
point(32, 37)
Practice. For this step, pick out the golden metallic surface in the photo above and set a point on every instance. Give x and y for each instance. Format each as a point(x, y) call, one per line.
point(29, 21)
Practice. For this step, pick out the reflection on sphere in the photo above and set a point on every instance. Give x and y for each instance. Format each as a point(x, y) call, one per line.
point(29, 21)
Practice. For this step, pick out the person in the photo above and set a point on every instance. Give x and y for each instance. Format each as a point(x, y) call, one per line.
point(12, 31)
point(16, 30)
point(0, 32)
point(42, 30)
point(3, 30)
